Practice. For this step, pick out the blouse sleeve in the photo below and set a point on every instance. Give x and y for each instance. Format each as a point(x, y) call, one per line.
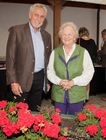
point(51, 75)
point(88, 71)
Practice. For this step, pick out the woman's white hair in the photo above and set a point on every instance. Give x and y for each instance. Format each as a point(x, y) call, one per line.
point(38, 5)
point(68, 24)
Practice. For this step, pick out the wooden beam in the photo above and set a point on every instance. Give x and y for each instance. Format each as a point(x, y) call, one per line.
point(84, 5)
point(57, 21)
point(26, 1)
point(98, 26)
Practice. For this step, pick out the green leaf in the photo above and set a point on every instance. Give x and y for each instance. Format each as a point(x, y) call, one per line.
point(20, 138)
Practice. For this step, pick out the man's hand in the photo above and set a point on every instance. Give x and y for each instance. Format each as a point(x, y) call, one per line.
point(16, 89)
point(48, 87)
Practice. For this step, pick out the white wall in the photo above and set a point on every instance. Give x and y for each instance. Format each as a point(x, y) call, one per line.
point(81, 17)
point(12, 14)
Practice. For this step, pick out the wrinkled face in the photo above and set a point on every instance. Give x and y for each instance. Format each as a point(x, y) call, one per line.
point(37, 17)
point(68, 36)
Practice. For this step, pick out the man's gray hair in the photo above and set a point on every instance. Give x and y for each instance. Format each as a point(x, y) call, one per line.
point(38, 5)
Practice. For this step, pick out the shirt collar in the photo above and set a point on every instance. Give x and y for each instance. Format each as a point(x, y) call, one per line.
point(32, 29)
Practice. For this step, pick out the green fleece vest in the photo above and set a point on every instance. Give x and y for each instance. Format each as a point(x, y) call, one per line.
point(69, 70)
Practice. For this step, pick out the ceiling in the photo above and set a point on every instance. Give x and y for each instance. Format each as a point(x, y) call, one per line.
point(26, 1)
point(102, 2)
point(72, 3)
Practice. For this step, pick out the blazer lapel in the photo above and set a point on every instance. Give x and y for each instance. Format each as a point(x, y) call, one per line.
point(29, 38)
point(44, 38)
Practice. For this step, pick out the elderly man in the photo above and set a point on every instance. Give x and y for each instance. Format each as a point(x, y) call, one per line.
point(27, 54)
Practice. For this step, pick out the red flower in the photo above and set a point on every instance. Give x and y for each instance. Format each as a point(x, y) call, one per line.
point(3, 104)
point(39, 122)
point(56, 118)
point(35, 127)
point(58, 110)
point(90, 107)
point(3, 113)
point(103, 123)
point(12, 109)
point(103, 133)
point(4, 121)
point(99, 113)
point(38, 118)
point(62, 138)
point(21, 105)
point(25, 118)
point(92, 129)
point(51, 130)
point(10, 129)
point(81, 117)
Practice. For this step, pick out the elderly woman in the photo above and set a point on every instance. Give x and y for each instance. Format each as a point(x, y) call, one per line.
point(70, 69)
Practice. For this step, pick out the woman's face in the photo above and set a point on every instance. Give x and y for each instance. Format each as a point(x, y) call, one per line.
point(37, 17)
point(104, 37)
point(68, 36)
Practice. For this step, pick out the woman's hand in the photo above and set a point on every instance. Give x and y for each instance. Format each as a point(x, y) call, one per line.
point(66, 84)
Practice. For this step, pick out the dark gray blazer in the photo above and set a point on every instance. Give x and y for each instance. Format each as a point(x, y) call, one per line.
point(20, 57)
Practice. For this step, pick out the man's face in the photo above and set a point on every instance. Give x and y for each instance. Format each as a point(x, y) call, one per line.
point(37, 17)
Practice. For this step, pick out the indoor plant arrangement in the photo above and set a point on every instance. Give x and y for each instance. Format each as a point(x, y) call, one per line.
point(19, 123)
point(92, 122)
point(89, 124)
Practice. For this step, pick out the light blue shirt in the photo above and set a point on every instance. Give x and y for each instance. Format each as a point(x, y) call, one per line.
point(38, 49)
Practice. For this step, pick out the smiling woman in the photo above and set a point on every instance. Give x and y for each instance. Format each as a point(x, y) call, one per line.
point(70, 69)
